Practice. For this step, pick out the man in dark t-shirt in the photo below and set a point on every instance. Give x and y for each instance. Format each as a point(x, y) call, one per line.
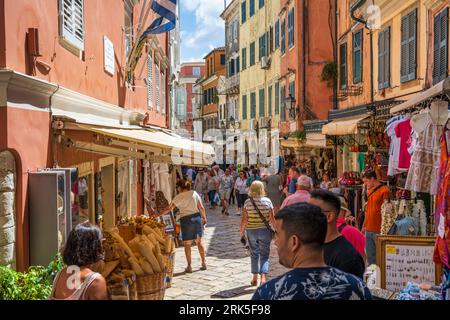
point(338, 251)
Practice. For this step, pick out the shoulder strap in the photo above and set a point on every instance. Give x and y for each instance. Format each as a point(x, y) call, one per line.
point(260, 214)
point(87, 283)
point(341, 227)
point(375, 190)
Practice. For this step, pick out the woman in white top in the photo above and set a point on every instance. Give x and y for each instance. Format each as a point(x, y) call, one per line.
point(240, 188)
point(82, 250)
point(192, 219)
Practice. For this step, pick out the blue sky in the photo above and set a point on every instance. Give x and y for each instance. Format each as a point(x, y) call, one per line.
point(202, 29)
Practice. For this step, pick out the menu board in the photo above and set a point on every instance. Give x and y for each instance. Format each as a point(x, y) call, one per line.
point(406, 259)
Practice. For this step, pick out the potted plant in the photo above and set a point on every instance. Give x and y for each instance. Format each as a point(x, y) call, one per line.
point(330, 73)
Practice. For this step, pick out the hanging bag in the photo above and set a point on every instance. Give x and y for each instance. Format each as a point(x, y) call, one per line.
point(272, 232)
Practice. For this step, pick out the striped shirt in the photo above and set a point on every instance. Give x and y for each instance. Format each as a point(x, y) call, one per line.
point(254, 220)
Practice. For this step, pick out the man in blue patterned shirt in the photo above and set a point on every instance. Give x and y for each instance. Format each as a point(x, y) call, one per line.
point(301, 230)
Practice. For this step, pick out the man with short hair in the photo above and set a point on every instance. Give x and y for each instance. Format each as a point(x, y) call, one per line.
point(338, 252)
point(226, 184)
point(294, 173)
point(376, 194)
point(303, 172)
point(301, 195)
point(301, 231)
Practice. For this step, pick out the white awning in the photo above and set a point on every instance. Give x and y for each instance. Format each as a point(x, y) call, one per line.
point(316, 140)
point(441, 87)
point(342, 127)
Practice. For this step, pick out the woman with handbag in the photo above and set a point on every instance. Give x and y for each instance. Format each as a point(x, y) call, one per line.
point(257, 215)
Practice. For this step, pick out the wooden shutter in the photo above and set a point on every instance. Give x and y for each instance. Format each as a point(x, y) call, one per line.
point(277, 34)
point(71, 19)
point(244, 107)
point(243, 12)
point(271, 46)
point(357, 57)
point(283, 103)
point(261, 102)
point(412, 45)
point(252, 105)
point(440, 46)
point(381, 59)
point(277, 98)
point(150, 81)
point(343, 65)
point(269, 101)
point(157, 84)
point(283, 36)
point(408, 47)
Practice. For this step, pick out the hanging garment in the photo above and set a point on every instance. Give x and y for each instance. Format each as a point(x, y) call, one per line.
point(388, 216)
point(423, 173)
point(420, 216)
point(442, 210)
point(403, 132)
point(394, 147)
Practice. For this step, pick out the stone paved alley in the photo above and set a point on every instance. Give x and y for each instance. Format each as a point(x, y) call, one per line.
point(228, 275)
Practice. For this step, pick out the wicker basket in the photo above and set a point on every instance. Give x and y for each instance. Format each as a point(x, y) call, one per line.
point(123, 291)
point(169, 262)
point(127, 232)
point(151, 287)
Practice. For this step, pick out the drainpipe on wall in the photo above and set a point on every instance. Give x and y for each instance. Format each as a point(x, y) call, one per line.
point(335, 54)
point(303, 57)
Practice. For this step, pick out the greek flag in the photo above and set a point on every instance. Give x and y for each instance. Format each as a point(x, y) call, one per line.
point(166, 10)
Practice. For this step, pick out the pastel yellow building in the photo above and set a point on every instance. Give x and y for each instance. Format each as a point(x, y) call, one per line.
point(260, 64)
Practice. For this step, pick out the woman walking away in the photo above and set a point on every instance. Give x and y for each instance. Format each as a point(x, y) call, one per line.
point(83, 249)
point(213, 185)
point(257, 216)
point(274, 188)
point(192, 219)
point(240, 187)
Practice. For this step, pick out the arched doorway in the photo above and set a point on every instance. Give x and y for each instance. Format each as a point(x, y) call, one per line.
point(7, 209)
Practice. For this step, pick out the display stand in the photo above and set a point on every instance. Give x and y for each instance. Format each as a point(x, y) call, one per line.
point(406, 259)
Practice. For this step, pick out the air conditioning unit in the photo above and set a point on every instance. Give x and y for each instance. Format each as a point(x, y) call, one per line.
point(252, 124)
point(265, 62)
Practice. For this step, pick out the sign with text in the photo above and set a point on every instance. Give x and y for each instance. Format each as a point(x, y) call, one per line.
point(108, 55)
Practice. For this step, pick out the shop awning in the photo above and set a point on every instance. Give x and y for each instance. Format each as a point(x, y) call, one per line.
point(290, 143)
point(316, 140)
point(178, 149)
point(342, 127)
point(441, 87)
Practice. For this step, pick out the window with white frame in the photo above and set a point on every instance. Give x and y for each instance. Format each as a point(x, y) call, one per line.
point(157, 84)
point(150, 80)
point(71, 22)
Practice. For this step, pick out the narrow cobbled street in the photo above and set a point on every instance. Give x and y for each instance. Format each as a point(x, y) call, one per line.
point(228, 275)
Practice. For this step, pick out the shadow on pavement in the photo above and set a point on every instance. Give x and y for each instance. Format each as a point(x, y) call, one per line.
point(234, 292)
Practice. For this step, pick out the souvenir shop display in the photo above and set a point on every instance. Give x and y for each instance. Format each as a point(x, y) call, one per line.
point(138, 262)
point(413, 291)
point(350, 179)
point(404, 217)
point(424, 167)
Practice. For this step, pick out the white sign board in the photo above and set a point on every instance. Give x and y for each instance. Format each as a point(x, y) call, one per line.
point(108, 55)
point(408, 263)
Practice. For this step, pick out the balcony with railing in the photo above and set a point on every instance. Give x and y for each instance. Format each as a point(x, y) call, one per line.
point(232, 84)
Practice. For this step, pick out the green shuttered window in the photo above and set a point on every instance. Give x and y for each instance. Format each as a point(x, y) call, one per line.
point(408, 47)
point(440, 51)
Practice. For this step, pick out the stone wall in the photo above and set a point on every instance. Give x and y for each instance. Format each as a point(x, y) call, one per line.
point(7, 209)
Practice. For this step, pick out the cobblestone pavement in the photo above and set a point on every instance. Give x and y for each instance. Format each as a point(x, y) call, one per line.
point(228, 275)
